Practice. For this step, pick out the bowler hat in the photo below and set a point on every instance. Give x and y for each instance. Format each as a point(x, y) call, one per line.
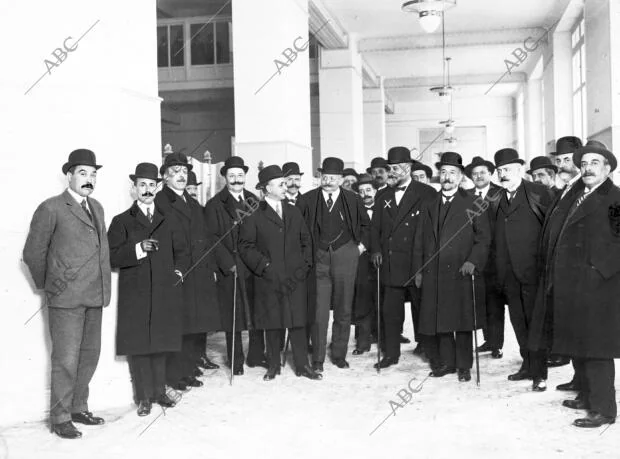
point(449, 158)
point(291, 169)
point(541, 162)
point(175, 159)
point(268, 173)
point(567, 145)
point(594, 146)
point(350, 171)
point(398, 155)
point(377, 162)
point(80, 157)
point(419, 166)
point(192, 179)
point(332, 166)
point(145, 170)
point(365, 179)
point(233, 161)
point(507, 156)
point(478, 161)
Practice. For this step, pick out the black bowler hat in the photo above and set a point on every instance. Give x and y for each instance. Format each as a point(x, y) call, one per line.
point(233, 161)
point(268, 173)
point(80, 157)
point(478, 161)
point(332, 166)
point(449, 158)
point(594, 146)
point(350, 171)
point(364, 179)
point(175, 159)
point(192, 179)
point(567, 145)
point(541, 162)
point(291, 169)
point(507, 156)
point(145, 170)
point(418, 166)
point(377, 162)
point(398, 155)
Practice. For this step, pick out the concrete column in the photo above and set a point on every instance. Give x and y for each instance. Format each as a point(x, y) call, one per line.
point(562, 106)
point(533, 120)
point(374, 123)
point(272, 85)
point(341, 105)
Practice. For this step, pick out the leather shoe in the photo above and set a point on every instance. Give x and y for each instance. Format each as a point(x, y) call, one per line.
point(309, 373)
point(569, 386)
point(87, 418)
point(181, 385)
point(198, 372)
point(443, 370)
point(318, 367)
point(593, 420)
point(357, 351)
point(66, 430)
point(192, 382)
point(577, 404)
point(271, 374)
point(557, 361)
point(419, 350)
point(386, 362)
point(205, 363)
point(258, 363)
point(144, 408)
point(238, 371)
point(539, 385)
point(485, 347)
point(341, 363)
point(164, 401)
point(497, 353)
point(404, 340)
point(520, 375)
point(464, 375)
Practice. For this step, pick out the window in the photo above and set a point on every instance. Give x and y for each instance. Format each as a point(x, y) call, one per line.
point(580, 125)
point(211, 43)
point(170, 46)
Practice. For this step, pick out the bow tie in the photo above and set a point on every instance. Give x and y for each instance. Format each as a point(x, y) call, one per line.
point(447, 198)
point(401, 188)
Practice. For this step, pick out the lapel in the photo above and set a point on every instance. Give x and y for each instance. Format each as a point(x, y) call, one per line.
point(517, 201)
point(388, 202)
point(457, 207)
point(591, 203)
point(76, 209)
point(271, 214)
point(176, 202)
point(135, 212)
point(410, 199)
point(229, 203)
point(434, 213)
point(286, 215)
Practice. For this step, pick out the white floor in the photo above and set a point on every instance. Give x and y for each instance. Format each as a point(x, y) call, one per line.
point(297, 418)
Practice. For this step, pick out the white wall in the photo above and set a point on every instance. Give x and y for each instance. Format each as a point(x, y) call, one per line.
point(102, 97)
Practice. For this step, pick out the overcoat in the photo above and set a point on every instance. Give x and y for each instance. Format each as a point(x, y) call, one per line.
point(279, 254)
point(150, 298)
point(201, 311)
point(223, 216)
point(67, 254)
point(365, 298)
point(393, 232)
point(447, 296)
point(586, 278)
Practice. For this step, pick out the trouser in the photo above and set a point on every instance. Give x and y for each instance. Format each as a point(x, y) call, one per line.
point(181, 364)
point(362, 331)
point(256, 346)
point(149, 375)
point(76, 343)
point(453, 349)
point(299, 345)
point(393, 309)
point(597, 384)
point(495, 307)
point(335, 285)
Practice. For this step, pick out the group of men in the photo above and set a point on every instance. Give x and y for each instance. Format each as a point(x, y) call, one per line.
point(361, 245)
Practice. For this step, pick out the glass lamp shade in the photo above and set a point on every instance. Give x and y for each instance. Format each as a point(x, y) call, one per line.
point(445, 97)
point(430, 20)
point(449, 128)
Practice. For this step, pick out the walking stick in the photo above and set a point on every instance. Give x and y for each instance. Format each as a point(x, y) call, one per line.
point(288, 340)
point(473, 291)
point(232, 363)
point(378, 321)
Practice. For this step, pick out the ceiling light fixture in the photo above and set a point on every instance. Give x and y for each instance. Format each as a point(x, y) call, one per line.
point(429, 12)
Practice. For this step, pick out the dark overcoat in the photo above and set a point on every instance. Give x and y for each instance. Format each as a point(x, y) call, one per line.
point(365, 298)
point(150, 299)
point(224, 215)
point(201, 311)
point(279, 254)
point(447, 296)
point(393, 232)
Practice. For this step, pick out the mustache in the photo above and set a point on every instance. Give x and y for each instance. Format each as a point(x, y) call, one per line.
point(88, 185)
point(237, 183)
point(293, 186)
point(148, 194)
point(504, 179)
point(588, 174)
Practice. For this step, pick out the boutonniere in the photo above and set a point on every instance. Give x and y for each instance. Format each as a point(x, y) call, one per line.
point(614, 218)
point(387, 204)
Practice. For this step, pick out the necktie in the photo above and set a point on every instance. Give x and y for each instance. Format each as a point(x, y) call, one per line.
point(330, 201)
point(149, 215)
point(580, 199)
point(85, 207)
point(443, 210)
point(510, 195)
point(446, 199)
point(401, 188)
point(240, 199)
point(479, 193)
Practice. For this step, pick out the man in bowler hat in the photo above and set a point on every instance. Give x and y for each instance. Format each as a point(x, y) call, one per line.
point(379, 172)
point(192, 185)
point(68, 257)
point(420, 172)
point(543, 171)
point(563, 157)
point(292, 174)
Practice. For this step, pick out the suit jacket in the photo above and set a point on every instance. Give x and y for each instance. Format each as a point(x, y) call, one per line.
point(393, 232)
point(67, 254)
point(365, 299)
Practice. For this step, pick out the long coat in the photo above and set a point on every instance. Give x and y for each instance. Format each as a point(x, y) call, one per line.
point(150, 296)
point(201, 311)
point(447, 297)
point(279, 254)
point(586, 278)
point(365, 298)
point(393, 232)
point(67, 254)
point(223, 216)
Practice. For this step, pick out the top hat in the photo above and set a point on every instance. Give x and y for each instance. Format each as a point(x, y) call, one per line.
point(268, 173)
point(175, 159)
point(377, 162)
point(291, 169)
point(332, 166)
point(398, 155)
point(233, 161)
point(541, 162)
point(478, 161)
point(449, 158)
point(80, 157)
point(192, 179)
point(507, 156)
point(594, 146)
point(419, 166)
point(350, 171)
point(567, 145)
point(147, 171)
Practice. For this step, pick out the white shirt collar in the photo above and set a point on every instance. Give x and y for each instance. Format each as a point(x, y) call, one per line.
point(291, 196)
point(586, 191)
point(334, 194)
point(236, 195)
point(572, 181)
point(143, 207)
point(273, 203)
point(406, 185)
point(516, 187)
point(450, 193)
point(484, 190)
point(177, 192)
point(77, 197)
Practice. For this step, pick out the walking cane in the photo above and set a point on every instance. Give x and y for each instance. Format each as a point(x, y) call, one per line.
point(378, 321)
point(232, 363)
point(288, 340)
point(473, 291)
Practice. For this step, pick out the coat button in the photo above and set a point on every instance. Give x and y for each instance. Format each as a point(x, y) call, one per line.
point(390, 252)
point(406, 224)
point(280, 229)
